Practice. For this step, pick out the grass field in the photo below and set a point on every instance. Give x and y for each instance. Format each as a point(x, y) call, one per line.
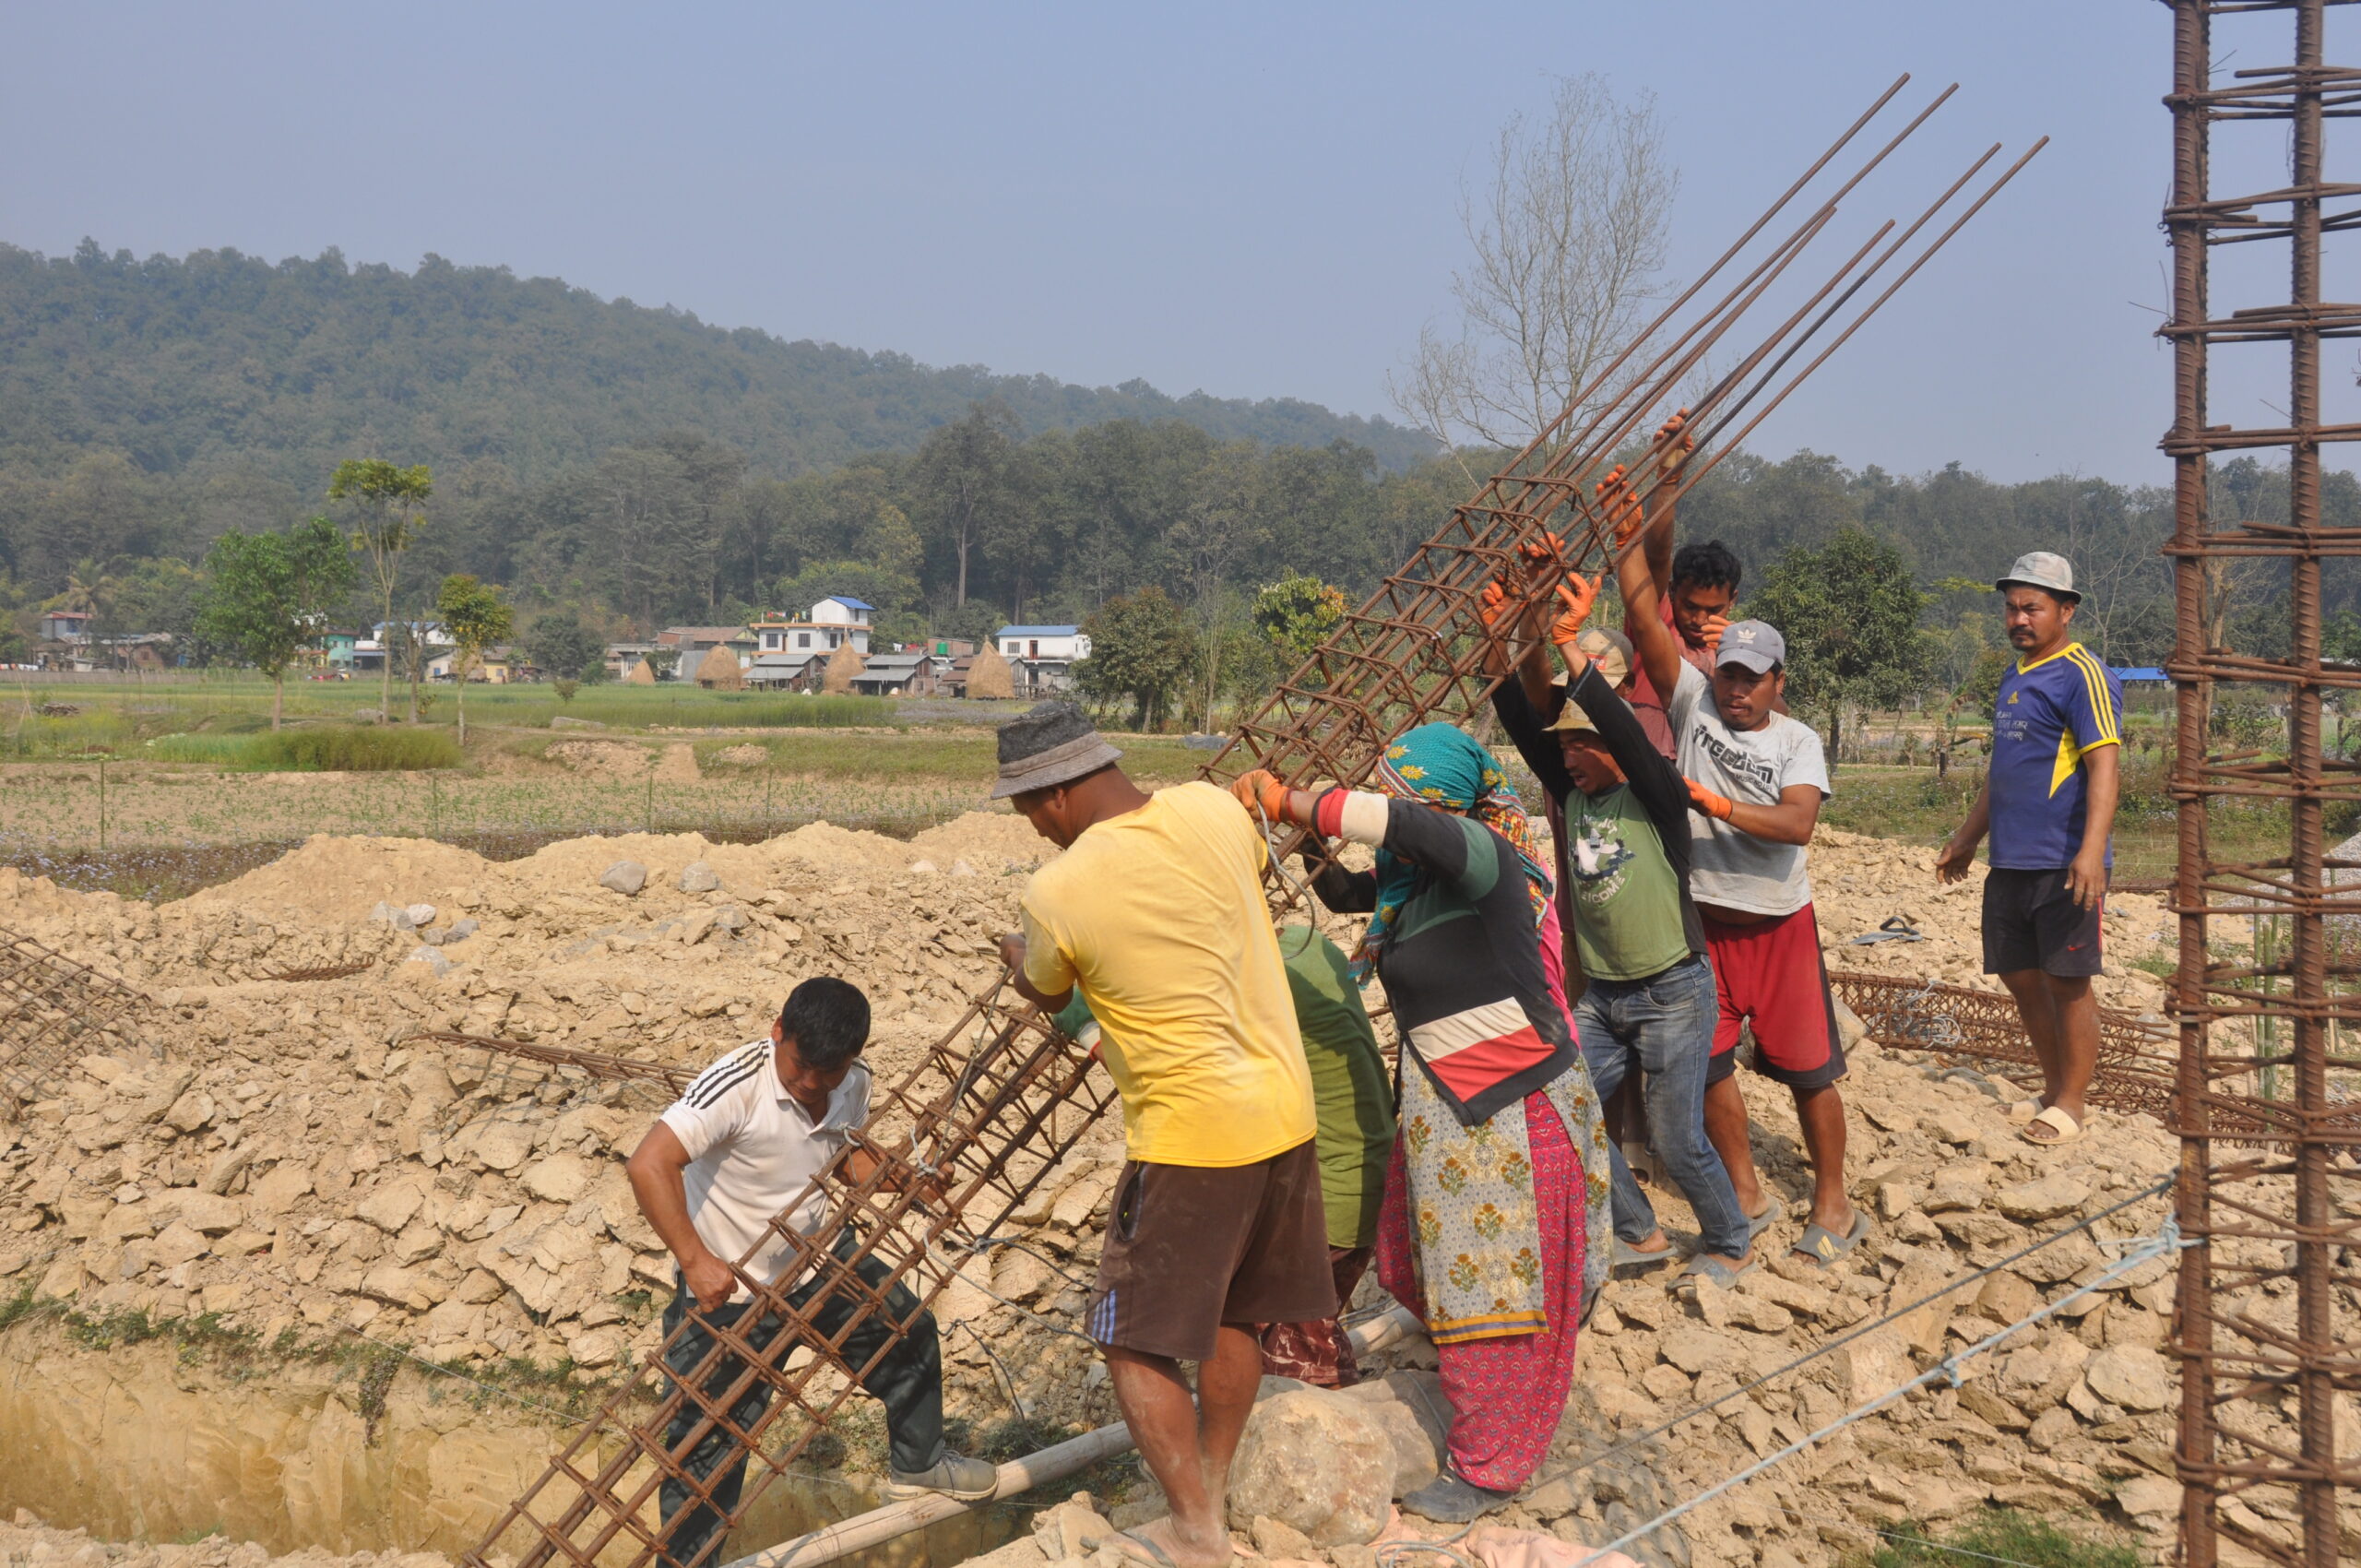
point(141, 768)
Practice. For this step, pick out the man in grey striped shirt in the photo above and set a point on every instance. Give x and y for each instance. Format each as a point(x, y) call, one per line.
point(747, 1140)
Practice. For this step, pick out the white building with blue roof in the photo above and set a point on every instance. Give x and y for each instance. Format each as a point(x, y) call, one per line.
point(1043, 657)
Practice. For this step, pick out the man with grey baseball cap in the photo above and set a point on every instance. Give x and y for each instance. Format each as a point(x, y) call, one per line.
point(2049, 802)
point(1756, 781)
point(1154, 913)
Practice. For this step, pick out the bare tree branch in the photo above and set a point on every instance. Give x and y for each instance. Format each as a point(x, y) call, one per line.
point(1569, 238)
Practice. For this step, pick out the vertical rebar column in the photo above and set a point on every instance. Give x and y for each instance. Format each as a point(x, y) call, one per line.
point(2262, 1373)
point(2192, 72)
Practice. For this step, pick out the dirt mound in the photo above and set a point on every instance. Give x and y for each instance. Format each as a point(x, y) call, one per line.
point(600, 759)
point(988, 840)
point(345, 878)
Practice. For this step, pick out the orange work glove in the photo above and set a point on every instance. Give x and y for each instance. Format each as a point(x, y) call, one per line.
point(1712, 630)
point(1718, 807)
point(1259, 790)
point(1545, 555)
point(1576, 597)
point(1616, 497)
point(1493, 603)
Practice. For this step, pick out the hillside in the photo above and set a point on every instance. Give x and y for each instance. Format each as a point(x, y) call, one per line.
point(180, 362)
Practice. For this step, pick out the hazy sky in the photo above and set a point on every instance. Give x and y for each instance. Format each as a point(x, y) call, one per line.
point(1257, 200)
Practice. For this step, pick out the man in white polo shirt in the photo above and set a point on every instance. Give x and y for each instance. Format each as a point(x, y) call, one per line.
point(745, 1142)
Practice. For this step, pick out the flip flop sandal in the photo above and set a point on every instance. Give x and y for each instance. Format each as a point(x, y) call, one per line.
point(2063, 1128)
point(1824, 1246)
point(1628, 1257)
point(1756, 1224)
point(1704, 1265)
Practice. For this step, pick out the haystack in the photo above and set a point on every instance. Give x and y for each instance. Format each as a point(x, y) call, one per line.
point(843, 666)
point(988, 676)
point(718, 671)
point(642, 674)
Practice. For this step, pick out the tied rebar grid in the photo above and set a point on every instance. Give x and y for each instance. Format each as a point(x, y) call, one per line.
point(997, 1102)
point(53, 1012)
point(1959, 1023)
point(2260, 1373)
point(1417, 650)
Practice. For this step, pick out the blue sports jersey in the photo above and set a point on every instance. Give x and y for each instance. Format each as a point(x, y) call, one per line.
point(2051, 714)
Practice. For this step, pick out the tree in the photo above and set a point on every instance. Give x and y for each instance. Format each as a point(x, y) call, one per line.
point(1568, 236)
point(1298, 612)
point(1849, 614)
point(267, 595)
point(1142, 648)
point(562, 645)
point(477, 617)
point(959, 473)
point(389, 499)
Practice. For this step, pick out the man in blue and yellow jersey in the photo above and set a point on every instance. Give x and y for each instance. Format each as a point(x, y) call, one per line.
point(2049, 802)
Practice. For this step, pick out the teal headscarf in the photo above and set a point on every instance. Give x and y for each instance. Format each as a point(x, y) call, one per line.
point(1439, 765)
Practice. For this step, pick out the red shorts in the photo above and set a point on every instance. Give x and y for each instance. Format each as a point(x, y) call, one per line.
point(1771, 974)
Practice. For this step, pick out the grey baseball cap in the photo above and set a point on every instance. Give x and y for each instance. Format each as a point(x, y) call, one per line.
point(2039, 568)
point(1053, 745)
point(1753, 644)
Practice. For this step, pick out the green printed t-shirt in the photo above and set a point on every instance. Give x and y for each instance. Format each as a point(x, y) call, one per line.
point(1626, 895)
point(1351, 1099)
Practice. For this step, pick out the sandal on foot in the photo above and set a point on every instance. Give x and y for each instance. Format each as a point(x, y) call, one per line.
point(1705, 1266)
point(1756, 1224)
point(2063, 1128)
point(1447, 1500)
point(1824, 1246)
point(1136, 1547)
point(1628, 1257)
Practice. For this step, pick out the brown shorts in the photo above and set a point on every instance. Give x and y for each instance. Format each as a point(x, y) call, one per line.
point(1190, 1248)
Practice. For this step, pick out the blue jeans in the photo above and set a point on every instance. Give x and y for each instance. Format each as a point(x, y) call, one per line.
point(1663, 1026)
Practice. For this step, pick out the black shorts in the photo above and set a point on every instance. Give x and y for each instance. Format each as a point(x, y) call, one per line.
point(2031, 923)
point(1190, 1248)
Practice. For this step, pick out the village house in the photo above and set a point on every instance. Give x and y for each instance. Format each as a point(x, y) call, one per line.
point(895, 675)
point(1043, 657)
point(497, 667)
point(65, 625)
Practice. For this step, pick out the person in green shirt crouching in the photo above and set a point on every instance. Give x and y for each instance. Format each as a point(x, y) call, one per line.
point(1355, 1138)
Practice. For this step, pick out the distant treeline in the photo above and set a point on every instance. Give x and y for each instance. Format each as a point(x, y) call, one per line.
point(982, 523)
point(222, 364)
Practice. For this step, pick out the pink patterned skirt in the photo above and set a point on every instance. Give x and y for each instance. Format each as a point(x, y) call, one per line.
point(1506, 1394)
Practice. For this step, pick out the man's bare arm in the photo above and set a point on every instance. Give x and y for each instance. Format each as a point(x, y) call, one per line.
point(654, 1170)
point(1012, 953)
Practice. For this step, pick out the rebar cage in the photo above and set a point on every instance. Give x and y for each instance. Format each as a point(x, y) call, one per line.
point(2267, 1326)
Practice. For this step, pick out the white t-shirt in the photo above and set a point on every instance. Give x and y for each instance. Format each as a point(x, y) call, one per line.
point(753, 1152)
point(1729, 867)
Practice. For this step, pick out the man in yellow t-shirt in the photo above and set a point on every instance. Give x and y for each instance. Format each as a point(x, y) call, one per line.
point(1156, 912)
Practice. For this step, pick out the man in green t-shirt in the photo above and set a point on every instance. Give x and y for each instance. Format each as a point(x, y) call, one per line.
point(1650, 1006)
point(1355, 1106)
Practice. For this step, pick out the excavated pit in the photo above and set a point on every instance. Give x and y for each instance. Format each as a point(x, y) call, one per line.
point(289, 1180)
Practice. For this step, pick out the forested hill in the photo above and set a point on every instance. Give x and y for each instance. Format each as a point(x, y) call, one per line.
point(175, 361)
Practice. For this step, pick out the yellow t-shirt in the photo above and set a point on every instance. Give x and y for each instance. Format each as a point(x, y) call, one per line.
point(1158, 916)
